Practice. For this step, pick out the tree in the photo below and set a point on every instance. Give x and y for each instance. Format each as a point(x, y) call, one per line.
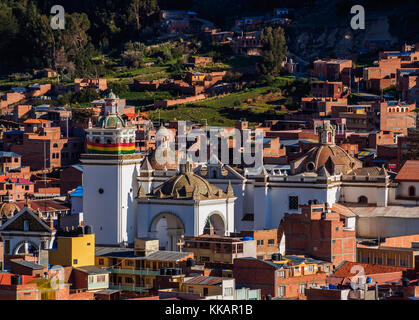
point(274, 50)
point(141, 10)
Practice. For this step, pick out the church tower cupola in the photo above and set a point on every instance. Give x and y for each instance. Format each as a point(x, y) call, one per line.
point(327, 133)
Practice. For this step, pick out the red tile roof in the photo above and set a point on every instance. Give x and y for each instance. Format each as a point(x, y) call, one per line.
point(409, 171)
point(369, 269)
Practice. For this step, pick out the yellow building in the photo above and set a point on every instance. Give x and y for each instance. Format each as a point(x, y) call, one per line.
point(74, 251)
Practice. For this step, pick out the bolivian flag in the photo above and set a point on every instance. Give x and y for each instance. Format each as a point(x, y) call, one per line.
point(113, 148)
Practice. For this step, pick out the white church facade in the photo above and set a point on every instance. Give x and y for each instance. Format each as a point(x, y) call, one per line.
point(142, 199)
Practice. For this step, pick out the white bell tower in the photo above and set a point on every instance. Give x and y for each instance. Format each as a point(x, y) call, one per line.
point(110, 169)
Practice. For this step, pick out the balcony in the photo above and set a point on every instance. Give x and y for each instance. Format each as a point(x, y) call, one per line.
point(136, 272)
point(128, 288)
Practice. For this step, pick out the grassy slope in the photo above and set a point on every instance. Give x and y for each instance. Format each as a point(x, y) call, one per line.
point(225, 110)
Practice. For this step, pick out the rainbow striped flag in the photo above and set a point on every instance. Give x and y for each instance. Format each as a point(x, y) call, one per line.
point(114, 148)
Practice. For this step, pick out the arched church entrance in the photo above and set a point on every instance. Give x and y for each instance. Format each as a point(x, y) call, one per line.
point(168, 228)
point(215, 225)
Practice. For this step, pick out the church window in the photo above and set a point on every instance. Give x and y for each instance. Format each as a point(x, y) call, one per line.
point(363, 199)
point(293, 202)
point(26, 225)
point(412, 191)
point(310, 166)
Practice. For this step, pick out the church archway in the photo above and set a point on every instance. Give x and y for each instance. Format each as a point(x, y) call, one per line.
point(215, 224)
point(25, 247)
point(168, 228)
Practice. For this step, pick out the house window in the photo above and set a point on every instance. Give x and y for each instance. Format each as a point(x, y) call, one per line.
point(310, 268)
point(128, 280)
point(190, 289)
point(228, 291)
point(365, 259)
point(101, 278)
point(391, 261)
point(281, 274)
point(412, 191)
point(101, 262)
point(403, 263)
point(302, 288)
point(378, 260)
point(271, 242)
point(26, 225)
point(129, 263)
point(293, 202)
point(205, 259)
point(281, 291)
point(260, 242)
point(75, 261)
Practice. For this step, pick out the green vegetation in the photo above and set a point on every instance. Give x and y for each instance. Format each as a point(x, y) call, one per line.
point(274, 50)
point(255, 104)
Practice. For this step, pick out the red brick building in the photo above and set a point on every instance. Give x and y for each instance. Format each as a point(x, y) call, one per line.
point(321, 232)
point(333, 70)
point(97, 83)
point(287, 278)
point(40, 139)
point(326, 89)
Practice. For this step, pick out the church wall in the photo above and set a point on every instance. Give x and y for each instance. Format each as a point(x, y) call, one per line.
point(403, 189)
point(270, 211)
point(114, 207)
point(352, 194)
point(100, 210)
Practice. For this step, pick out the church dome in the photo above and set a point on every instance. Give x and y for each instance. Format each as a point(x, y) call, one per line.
point(111, 121)
point(326, 158)
point(111, 95)
point(8, 209)
point(332, 157)
point(156, 165)
point(187, 185)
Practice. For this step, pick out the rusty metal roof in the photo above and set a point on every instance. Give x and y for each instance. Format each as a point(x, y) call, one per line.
point(205, 280)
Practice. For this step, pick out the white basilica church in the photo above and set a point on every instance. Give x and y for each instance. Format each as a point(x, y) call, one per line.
point(127, 197)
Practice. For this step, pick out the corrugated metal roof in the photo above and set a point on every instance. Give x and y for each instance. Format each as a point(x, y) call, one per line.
point(92, 270)
point(205, 280)
point(389, 211)
point(28, 264)
point(129, 253)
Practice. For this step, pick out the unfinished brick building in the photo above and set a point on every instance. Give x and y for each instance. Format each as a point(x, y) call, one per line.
point(321, 232)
